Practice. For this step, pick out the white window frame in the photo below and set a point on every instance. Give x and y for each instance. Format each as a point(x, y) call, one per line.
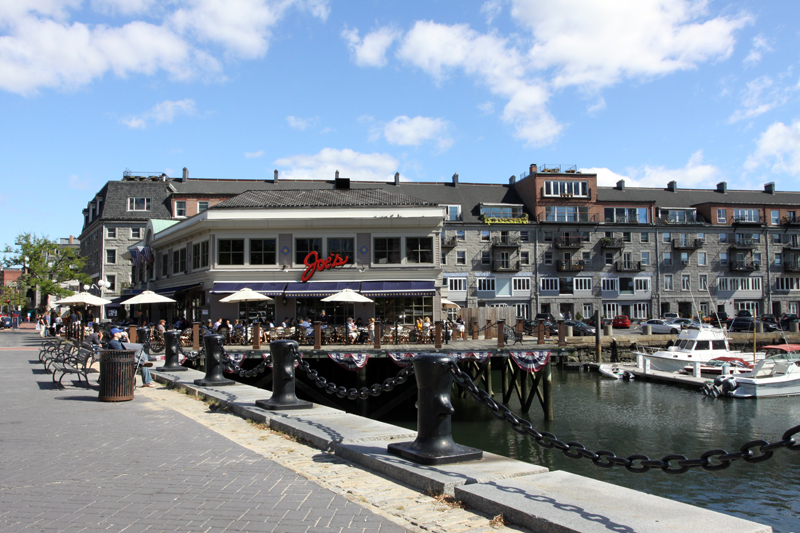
point(582, 284)
point(566, 188)
point(201, 207)
point(668, 284)
point(722, 216)
point(610, 285)
point(702, 259)
point(521, 284)
point(111, 233)
point(180, 207)
point(113, 253)
point(461, 257)
point(457, 284)
point(686, 282)
point(136, 233)
point(111, 282)
point(703, 282)
point(134, 200)
point(641, 285)
point(448, 207)
point(549, 285)
point(645, 257)
point(486, 284)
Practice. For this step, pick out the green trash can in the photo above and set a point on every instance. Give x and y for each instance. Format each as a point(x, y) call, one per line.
point(117, 377)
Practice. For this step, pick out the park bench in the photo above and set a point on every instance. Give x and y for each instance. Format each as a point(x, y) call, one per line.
point(60, 353)
point(79, 362)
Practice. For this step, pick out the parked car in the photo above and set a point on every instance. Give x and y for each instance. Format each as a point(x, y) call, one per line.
point(744, 312)
point(621, 321)
point(786, 319)
point(747, 323)
point(719, 319)
point(5, 322)
point(544, 316)
point(770, 319)
point(670, 316)
point(580, 329)
point(530, 327)
point(685, 323)
point(659, 327)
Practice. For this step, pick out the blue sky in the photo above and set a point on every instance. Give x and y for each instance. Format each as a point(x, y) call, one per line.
point(645, 90)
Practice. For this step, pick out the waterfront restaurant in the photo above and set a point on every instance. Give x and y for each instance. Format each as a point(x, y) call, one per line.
point(298, 246)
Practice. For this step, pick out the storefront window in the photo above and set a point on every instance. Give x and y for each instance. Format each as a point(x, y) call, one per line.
point(303, 247)
point(343, 247)
point(263, 311)
point(262, 252)
point(419, 249)
point(387, 250)
point(403, 310)
point(231, 252)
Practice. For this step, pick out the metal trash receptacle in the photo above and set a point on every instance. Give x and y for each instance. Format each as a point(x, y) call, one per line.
point(117, 378)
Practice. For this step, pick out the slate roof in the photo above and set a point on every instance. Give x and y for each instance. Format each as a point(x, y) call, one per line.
point(320, 198)
point(696, 197)
point(115, 204)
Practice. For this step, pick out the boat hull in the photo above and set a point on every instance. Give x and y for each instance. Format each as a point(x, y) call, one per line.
point(764, 388)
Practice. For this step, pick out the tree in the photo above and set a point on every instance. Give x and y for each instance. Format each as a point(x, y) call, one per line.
point(46, 265)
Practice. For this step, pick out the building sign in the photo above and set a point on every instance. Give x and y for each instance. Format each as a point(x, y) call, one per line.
point(314, 264)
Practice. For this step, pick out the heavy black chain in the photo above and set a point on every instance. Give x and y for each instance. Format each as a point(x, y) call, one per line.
point(352, 394)
point(191, 355)
point(232, 367)
point(754, 451)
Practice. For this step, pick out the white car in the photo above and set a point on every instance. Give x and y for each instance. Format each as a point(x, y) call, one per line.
point(658, 326)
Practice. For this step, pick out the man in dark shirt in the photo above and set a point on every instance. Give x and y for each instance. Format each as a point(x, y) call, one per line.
point(114, 343)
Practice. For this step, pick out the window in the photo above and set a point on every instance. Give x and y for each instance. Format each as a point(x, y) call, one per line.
point(263, 252)
point(703, 279)
point(642, 284)
point(524, 236)
point(202, 206)
point(231, 252)
point(684, 258)
point(548, 258)
point(548, 236)
point(178, 261)
point(550, 284)
point(668, 282)
point(486, 284)
point(583, 284)
point(787, 284)
point(525, 258)
point(111, 256)
point(667, 258)
point(775, 217)
point(626, 285)
point(723, 238)
point(678, 216)
point(111, 233)
point(461, 235)
point(778, 258)
point(566, 188)
point(443, 258)
point(626, 215)
point(702, 259)
point(757, 258)
point(665, 237)
point(640, 310)
point(303, 247)
point(346, 249)
point(645, 237)
point(626, 236)
point(685, 282)
point(645, 258)
point(522, 311)
point(111, 282)
point(521, 284)
point(461, 258)
point(565, 285)
point(587, 257)
point(776, 238)
point(501, 211)
point(701, 237)
point(387, 250)
point(739, 284)
point(485, 258)
point(452, 212)
point(138, 204)
point(566, 214)
point(180, 208)
point(723, 258)
point(722, 216)
point(609, 258)
point(745, 215)
point(136, 233)
point(199, 255)
point(164, 265)
point(485, 236)
point(610, 285)
point(457, 284)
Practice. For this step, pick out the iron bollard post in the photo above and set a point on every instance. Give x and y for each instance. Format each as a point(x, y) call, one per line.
point(213, 377)
point(376, 335)
point(501, 333)
point(143, 338)
point(172, 361)
point(434, 444)
point(283, 396)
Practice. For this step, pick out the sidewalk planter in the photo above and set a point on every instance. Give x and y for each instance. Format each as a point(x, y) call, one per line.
point(117, 377)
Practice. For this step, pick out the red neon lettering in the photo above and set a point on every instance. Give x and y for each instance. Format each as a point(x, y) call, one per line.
point(314, 264)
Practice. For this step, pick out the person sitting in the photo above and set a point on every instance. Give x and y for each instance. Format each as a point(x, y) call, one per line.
point(216, 325)
point(95, 338)
point(352, 331)
point(161, 326)
point(371, 330)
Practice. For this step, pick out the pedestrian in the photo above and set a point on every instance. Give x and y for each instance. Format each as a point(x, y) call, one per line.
point(461, 328)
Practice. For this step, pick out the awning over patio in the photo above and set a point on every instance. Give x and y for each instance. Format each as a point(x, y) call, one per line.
point(172, 290)
point(266, 288)
point(318, 289)
point(372, 289)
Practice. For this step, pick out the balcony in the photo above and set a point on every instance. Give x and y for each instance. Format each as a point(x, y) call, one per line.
point(629, 266)
point(791, 266)
point(622, 220)
point(573, 242)
point(612, 244)
point(570, 266)
point(790, 221)
point(506, 242)
point(568, 218)
point(792, 245)
point(745, 266)
point(748, 220)
point(744, 244)
point(687, 244)
point(505, 266)
point(449, 242)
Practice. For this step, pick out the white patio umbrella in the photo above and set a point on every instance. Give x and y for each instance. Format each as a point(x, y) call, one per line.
point(83, 298)
point(148, 297)
point(348, 296)
point(447, 304)
point(245, 295)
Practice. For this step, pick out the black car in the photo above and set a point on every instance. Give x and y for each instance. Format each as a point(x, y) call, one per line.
point(579, 329)
point(746, 323)
point(544, 316)
point(786, 319)
point(745, 313)
point(530, 327)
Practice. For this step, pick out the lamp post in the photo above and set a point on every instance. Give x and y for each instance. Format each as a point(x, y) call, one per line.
point(100, 285)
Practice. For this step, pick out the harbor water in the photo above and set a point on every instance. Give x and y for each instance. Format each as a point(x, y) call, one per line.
point(656, 420)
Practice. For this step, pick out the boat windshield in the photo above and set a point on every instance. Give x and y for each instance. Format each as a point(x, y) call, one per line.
point(719, 345)
point(686, 344)
point(703, 345)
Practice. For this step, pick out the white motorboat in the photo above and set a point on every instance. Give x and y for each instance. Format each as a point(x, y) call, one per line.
point(695, 345)
point(776, 375)
point(614, 372)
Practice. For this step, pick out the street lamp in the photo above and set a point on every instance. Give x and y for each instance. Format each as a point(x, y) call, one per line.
point(100, 285)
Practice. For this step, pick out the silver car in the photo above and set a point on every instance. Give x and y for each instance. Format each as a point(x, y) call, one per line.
point(658, 326)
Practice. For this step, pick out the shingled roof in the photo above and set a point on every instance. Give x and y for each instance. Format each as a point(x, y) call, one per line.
point(321, 198)
point(696, 197)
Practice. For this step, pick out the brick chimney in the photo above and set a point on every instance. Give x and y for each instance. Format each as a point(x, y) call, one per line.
point(769, 187)
point(455, 179)
point(185, 175)
point(722, 187)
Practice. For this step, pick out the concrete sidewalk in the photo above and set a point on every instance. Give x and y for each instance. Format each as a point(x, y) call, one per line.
point(165, 462)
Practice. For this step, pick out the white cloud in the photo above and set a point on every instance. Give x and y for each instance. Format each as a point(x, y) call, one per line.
point(250, 155)
point(760, 45)
point(595, 44)
point(77, 183)
point(487, 108)
point(350, 164)
point(760, 96)
point(165, 111)
point(779, 148)
point(491, 9)
point(599, 105)
point(694, 175)
point(41, 47)
point(405, 131)
point(370, 51)
point(300, 123)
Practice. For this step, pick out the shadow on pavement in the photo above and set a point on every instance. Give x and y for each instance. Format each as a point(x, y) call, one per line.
point(78, 398)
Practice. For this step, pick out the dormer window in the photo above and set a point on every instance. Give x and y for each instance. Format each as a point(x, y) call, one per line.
point(138, 204)
point(553, 188)
point(501, 211)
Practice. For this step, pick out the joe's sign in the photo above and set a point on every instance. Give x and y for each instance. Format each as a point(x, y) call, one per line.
point(314, 263)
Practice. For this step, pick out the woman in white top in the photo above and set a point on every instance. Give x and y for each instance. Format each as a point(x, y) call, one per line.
point(352, 331)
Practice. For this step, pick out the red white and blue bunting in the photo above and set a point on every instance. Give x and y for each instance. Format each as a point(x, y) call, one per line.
point(349, 361)
point(401, 359)
point(479, 357)
point(531, 361)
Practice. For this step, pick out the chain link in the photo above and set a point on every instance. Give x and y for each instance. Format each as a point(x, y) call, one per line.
point(376, 389)
point(754, 451)
point(228, 364)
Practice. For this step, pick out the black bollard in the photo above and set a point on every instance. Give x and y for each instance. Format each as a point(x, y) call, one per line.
point(214, 349)
point(143, 338)
point(434, 444)
point(283, 396)
point(172, 361)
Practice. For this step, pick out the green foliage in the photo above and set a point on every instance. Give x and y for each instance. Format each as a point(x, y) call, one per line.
point(578, 317)
point(47, 266)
